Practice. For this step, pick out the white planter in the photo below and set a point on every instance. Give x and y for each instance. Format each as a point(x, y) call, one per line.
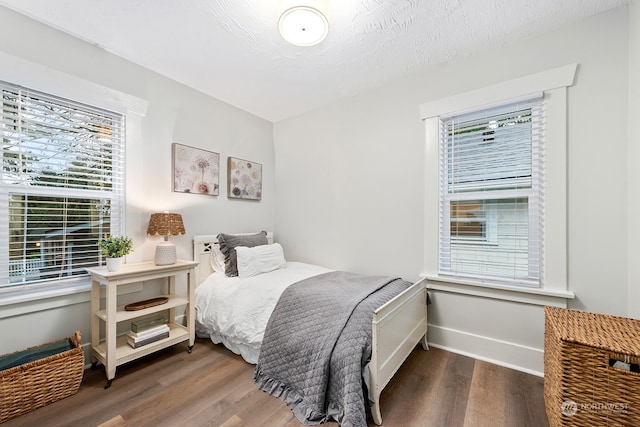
point(114, 264)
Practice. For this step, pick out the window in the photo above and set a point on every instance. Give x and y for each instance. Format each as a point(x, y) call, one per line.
point(61, 186)
point(491, 188)
point(549, 202)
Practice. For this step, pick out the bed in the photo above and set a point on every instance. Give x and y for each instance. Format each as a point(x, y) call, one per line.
point(235, 311)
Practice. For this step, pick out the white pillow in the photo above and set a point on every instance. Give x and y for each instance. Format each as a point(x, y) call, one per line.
point(259, 259)
point(216, 259)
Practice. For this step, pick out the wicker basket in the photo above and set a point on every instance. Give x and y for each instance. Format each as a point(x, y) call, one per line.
point(581, 388)
point(35, 384)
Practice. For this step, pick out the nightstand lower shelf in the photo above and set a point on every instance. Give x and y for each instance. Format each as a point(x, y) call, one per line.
point(125, 353)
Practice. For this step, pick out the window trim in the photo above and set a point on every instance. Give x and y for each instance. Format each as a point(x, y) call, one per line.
point(37, 76)
point(553, 83)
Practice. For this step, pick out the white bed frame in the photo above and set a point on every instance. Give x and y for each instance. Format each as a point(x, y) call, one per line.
point(397, 326)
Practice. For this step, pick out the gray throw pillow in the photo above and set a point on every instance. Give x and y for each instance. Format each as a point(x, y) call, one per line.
point(228, 243)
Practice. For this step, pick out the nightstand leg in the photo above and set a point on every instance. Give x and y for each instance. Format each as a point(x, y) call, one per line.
point(191, 309)
point(95, 322)
point(110, 330)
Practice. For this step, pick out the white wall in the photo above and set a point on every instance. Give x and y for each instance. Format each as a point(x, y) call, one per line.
point(350, 185)
point(33, 54)
point(632, 160)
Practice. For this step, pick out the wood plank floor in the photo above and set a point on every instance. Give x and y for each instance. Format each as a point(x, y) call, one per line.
point(213, 387)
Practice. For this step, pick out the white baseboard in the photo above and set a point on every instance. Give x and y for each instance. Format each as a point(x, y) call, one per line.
point(508, 354)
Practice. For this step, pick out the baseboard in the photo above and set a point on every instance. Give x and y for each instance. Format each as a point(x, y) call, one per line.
point(510, 355)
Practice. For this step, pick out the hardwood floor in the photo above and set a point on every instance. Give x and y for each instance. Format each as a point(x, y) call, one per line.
point(213, 387)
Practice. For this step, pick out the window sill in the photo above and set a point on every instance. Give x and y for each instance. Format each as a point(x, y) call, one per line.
point(31, 299)
point(27, 299)
point(536, 296)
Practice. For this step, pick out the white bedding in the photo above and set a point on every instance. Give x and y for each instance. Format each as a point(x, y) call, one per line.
point(234, 311)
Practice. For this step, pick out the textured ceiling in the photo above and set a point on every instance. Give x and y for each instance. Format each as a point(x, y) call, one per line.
point(231, 49)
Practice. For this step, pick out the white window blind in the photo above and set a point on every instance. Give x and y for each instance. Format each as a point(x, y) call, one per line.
point(491, 193)
point(61, 185)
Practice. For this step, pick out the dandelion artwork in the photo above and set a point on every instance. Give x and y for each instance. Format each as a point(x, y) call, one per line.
point(195, 170)
point(244, 179)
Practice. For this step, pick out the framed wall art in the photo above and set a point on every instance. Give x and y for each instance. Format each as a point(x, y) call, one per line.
point(195, 170)
point(244, 179)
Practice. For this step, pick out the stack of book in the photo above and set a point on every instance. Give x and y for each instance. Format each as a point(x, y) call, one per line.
point(147, 331)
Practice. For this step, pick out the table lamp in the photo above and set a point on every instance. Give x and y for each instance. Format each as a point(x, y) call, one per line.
point(165, 224)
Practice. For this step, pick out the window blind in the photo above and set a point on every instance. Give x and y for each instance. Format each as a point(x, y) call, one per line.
point(62, 185)
point(491, 193)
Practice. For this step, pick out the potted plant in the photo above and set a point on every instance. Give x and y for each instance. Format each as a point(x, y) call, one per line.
point(114, 248)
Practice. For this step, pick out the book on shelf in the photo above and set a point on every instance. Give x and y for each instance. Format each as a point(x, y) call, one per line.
point(141, 325)
point(149, 340)
point(147, 333)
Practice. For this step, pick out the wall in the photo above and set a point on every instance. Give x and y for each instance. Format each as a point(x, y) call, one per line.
point(632, 161)
point(350, 185)
point(43, 58)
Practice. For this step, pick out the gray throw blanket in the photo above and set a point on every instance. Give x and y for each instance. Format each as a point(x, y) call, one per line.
point(317, 344)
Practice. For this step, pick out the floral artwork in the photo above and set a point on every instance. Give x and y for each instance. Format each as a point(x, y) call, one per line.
point(195, 170)
point(244, 180)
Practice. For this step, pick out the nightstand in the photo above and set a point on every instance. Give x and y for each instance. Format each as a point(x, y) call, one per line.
point(113, 350)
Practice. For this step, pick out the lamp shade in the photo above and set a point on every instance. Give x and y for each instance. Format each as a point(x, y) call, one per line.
point(165, 224)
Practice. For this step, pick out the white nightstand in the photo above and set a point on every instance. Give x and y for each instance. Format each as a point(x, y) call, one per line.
point(113, 351)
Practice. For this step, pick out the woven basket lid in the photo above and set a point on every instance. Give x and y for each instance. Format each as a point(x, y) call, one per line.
point(607, 332)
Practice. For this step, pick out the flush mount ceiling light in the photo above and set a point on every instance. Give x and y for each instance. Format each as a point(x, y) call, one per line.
point(303, 26)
